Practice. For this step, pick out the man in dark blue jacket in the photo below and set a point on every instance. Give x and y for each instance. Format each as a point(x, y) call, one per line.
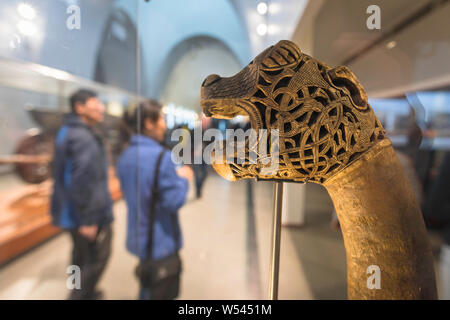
point(81, 202)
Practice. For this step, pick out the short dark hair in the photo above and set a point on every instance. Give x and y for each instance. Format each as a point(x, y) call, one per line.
point(81, 96)
point(148, 109)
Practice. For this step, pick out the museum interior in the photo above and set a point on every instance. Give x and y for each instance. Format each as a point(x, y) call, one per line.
point(336, 241)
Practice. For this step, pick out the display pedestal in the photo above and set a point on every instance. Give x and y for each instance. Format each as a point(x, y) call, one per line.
point(25, 219)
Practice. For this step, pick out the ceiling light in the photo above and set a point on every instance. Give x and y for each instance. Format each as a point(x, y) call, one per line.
point(274, 8)
point(262, 8)
point(26, 28)
point(26, 11)
point(391, 45)
point(261, 29)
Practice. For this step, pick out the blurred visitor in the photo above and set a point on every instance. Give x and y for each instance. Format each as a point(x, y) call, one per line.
point(154, 191)
point(438, 212)
point(408, 155)
point(410, 171)
point(81, 202)
point(200, 169)
point(414, 137)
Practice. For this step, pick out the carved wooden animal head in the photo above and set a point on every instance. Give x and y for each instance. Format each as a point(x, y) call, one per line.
point(321, 114)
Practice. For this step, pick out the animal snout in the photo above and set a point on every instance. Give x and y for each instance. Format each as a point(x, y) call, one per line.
point(213, 78)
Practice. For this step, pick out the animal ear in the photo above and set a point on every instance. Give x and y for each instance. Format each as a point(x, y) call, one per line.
point(344, 79)
point(283, 54)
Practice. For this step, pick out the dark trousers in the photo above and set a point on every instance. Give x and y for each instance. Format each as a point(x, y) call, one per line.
point(91, 257)
point(200, 173)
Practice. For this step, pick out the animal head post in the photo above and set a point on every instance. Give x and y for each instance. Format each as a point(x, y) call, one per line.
point(327, 133)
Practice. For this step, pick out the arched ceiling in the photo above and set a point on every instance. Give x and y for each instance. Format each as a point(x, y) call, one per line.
point(164, 24)
point(189, 64)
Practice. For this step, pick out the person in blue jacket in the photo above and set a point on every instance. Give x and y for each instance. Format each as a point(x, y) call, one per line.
point(81, 202)
point(136, 169)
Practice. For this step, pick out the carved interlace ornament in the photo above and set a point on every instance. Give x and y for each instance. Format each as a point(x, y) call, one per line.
point(322, 114)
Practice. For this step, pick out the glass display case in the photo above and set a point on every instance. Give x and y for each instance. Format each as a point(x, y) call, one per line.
point(132, 53)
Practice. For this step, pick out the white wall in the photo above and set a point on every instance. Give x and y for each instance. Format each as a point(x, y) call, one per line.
point(419, 61)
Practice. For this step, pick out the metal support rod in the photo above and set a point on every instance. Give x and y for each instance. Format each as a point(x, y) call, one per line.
point(276, 239)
